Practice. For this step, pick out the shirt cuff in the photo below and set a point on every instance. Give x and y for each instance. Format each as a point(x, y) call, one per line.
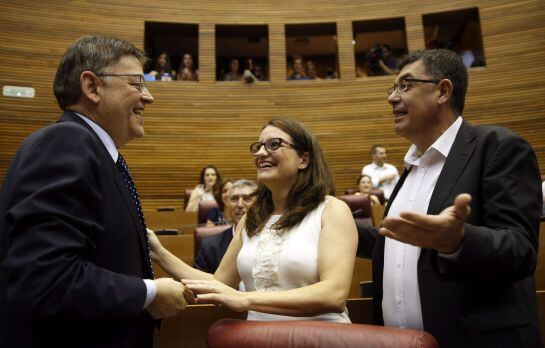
point(453, 256)
point(151, 291)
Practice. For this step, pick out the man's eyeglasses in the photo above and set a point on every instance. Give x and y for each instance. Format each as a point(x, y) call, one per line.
point(271, 145)
point(405, 84)
point(140, 85)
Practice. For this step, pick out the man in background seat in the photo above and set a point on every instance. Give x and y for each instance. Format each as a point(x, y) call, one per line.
point(241, 198)
point(383, 175)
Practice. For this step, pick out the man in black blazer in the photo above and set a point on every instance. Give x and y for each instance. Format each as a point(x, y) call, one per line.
point(457, 249)
point(73, 245)
point(241, 198)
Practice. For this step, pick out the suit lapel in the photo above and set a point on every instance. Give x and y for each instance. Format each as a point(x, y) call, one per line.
point(457, 160)
point(114, 173)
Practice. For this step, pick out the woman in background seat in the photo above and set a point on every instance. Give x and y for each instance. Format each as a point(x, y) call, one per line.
point(209, 185)
point(365, 185)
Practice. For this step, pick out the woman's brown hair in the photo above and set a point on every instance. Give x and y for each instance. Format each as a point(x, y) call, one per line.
point(311, 185)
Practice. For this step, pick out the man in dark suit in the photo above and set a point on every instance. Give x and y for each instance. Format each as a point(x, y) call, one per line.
point(458, 247)
point(73, 245)
point(241, 198)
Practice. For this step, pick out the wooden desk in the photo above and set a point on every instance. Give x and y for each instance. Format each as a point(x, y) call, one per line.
point(181, 246)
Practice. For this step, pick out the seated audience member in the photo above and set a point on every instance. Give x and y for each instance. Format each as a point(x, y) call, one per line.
point(380, 61)
point(187, 71)
point(388, 63)
point(222, 214)
point(295, 248)
point(365, 185)
point(252, 72)
point(162, 70)
point(209, 184)
point(384, 175)
point(457, 250)
point(311, 71)
point(298, 69)
point(239, 199)
point(233, 74)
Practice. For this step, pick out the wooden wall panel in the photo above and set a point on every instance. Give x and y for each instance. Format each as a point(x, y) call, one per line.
point(193, 124)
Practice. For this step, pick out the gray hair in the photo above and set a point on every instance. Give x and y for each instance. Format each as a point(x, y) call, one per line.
point(88, 53)
point(243, 182)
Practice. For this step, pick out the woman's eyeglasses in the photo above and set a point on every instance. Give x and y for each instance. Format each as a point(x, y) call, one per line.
point(271, 145)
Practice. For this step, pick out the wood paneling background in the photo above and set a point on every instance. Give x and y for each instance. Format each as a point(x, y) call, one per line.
point(193, 124)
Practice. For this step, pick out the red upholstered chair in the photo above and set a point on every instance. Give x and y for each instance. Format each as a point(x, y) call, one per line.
point(374, 191)
point(205, 231)
point(204, 209)
point(360, 205)
point(233, 333)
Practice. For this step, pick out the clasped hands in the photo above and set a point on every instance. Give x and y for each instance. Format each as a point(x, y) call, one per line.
point(215, 292)
point(444, 232)
point(171, 298)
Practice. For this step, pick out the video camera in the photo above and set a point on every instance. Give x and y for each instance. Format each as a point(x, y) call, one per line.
point(372, 57)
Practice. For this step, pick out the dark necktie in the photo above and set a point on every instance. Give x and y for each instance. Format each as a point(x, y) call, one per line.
point(124, 169)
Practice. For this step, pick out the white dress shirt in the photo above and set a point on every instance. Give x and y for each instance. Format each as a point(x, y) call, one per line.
point(151, 287)
point(376, 172)
point(401, 295)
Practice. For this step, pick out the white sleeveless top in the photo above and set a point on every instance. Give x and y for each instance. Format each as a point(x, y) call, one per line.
point(272, 262)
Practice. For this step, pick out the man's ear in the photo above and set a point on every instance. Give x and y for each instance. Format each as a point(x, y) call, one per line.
point(445, 91)
point(89, 86)
point(304, 161)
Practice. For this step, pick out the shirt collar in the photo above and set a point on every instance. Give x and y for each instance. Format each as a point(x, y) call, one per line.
point(442, 145)
point(104, 137)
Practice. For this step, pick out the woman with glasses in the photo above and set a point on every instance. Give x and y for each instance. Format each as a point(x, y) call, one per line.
point(295, 248)
point(208, 187)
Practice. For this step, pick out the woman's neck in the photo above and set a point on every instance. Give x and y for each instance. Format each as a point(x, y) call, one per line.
point(280, 198)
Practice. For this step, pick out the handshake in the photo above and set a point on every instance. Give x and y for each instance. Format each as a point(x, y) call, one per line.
point(171, 298)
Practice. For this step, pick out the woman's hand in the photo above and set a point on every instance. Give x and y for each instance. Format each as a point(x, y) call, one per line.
point(199, 189)
point(155, 245)
point(213, 291)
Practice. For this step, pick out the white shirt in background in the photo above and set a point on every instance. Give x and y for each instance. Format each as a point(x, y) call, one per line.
point(376, 172)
